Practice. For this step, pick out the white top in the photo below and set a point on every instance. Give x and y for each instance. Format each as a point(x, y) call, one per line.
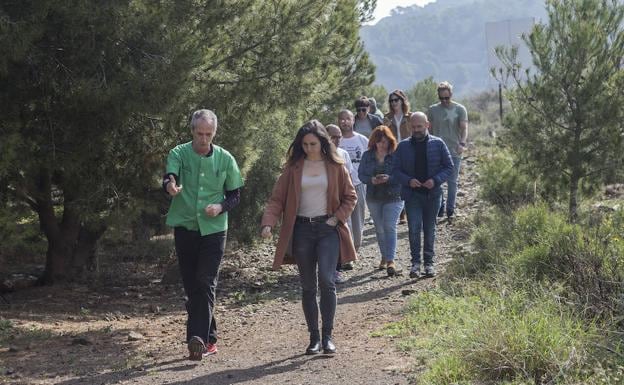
point(313, 202)
point(352, 170)
point(397, 122)
point(355, 146)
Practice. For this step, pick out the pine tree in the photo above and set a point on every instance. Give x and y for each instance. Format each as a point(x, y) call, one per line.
point(93, 95)
point(566, 122)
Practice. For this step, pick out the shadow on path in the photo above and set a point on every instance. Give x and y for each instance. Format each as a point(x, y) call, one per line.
point(235, 376)
point(126, 374)
point(377, 294)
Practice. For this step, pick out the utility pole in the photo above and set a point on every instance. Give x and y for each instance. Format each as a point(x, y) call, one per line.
point(500, 101)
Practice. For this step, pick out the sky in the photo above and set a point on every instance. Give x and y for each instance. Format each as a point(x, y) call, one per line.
point(385, 6)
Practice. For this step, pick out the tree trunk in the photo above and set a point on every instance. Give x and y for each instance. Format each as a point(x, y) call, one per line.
point(84, 252)
point(573, 202)
point(62, 239)
point(71, 243)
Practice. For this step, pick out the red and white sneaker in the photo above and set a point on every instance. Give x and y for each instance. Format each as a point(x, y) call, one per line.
point(210, 349)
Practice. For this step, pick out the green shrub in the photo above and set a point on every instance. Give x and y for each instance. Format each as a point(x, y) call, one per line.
point(538, 244)
point(503, 183)
point(490, 243)
point(490, 335)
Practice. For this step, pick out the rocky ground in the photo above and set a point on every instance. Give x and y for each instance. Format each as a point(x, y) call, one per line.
point(131, 331)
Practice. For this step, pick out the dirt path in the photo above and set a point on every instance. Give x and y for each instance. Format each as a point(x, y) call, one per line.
point(133, 334)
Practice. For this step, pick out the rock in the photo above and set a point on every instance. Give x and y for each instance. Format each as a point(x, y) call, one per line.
point(154, 309)
point(615, 190)
point(408, 291)
point(17, 281)
point(135, 336)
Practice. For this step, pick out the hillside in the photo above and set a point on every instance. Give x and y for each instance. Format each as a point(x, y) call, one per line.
point(445, 39)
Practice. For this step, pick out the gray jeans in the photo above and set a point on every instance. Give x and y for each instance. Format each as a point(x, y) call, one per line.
point(317, 244)
point(358, 215)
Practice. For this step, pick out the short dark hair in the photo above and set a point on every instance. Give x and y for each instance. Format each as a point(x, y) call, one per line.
point(362, 102)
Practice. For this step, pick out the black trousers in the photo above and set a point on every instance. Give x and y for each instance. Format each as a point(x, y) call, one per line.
point(199, 258)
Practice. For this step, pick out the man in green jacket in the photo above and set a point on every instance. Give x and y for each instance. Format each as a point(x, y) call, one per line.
point(204, 181)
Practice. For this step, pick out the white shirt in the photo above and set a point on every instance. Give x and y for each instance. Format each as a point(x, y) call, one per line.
point(355, 146)
point(345, 155)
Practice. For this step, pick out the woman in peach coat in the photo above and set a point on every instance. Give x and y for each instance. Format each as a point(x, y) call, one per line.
point(314, 198)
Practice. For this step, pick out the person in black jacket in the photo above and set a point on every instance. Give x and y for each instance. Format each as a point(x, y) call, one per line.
point(365, 122)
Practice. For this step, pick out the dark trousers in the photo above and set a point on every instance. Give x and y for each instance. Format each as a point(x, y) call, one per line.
point(199, 258)
point(317, 244)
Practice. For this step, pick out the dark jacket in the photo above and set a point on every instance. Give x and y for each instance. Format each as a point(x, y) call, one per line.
point(374, 121)
point(366, 171)
point(439, 164)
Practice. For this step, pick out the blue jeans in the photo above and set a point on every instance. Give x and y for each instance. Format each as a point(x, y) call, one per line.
point(385, 216)
point(422, 209)
point(452, 184)
point(317, 244)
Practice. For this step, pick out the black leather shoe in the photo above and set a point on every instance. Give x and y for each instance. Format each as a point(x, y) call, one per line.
point(328, 345)
point(314, 347)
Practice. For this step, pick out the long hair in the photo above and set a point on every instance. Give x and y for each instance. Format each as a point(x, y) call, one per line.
point(405, 101)
point(378, 134)
point(328, 150)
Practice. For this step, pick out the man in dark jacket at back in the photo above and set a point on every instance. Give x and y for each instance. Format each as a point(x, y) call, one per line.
point(421, 164)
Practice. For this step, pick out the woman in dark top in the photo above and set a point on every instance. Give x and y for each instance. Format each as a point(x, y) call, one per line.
point(382, 197)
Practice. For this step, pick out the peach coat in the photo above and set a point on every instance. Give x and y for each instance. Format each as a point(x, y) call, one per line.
point(284, 202)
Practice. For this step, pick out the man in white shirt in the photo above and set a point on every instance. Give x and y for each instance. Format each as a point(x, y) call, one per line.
point(336, 135)
point(355, 144)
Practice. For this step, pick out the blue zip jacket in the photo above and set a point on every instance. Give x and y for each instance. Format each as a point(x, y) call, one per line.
point(439, 164)
point(366, 171)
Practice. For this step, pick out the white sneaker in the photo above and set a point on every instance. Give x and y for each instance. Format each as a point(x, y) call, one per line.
point(415, 271)
point(339, 277)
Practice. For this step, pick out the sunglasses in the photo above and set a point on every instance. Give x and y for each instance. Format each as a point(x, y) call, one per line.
point(362, 109)
point(444, 97)
point(395, 100)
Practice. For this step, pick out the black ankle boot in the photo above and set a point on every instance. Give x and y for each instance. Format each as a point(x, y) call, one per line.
point(315, 344)
point(328, 345)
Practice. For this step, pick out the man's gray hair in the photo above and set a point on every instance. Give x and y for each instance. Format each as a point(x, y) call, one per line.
point(205, 115)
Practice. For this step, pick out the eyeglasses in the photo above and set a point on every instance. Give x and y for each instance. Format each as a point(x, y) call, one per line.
point(395, 100)
point(444, 97)
point(333, 137)
point(362, 109)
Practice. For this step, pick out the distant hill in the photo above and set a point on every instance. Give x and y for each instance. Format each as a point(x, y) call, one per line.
point(445, 39)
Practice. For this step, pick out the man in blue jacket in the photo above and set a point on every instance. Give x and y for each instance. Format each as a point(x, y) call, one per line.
point(421, 164)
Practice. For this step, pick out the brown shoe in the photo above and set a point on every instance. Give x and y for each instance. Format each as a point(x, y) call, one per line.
point(391, 269)
point(382, 265)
